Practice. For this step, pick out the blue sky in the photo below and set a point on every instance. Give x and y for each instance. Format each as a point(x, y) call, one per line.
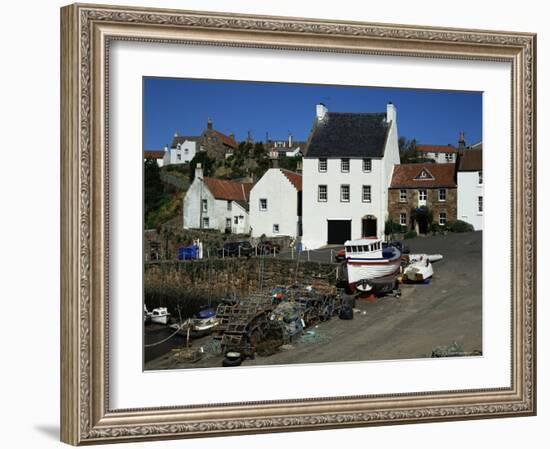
point(430, 116)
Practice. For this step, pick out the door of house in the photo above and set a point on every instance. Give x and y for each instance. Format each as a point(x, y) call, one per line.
point(422, 196)
point(338, 231)
point(369, 227)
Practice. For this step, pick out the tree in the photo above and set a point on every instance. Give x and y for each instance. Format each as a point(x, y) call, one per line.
point(407, 149)
point(206, 163)
point(153, 189)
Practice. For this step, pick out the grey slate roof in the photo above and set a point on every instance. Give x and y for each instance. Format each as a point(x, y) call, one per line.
point(347, 134)
point(181, 139)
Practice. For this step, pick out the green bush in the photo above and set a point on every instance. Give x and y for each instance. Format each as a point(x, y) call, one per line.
point(410, 234)
point(460, 226)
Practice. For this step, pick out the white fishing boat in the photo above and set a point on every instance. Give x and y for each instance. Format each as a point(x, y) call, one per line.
point(367, 260)
point(160, 315)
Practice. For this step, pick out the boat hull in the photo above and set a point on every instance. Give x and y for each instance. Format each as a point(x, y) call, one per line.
point(362, 271)
point(160, 319)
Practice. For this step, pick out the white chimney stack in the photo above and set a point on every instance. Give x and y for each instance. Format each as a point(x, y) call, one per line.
point(166, 148)
point(391, 113)
point(198, 171)
point(321, 111)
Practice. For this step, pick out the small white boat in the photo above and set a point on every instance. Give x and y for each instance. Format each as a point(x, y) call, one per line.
point(431, 257)
point(367, 260)
point(160, 315)
point(419, 269)
point(146, 314)
point(202, 323)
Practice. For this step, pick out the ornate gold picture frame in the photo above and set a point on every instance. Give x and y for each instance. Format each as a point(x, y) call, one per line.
point(87, 32)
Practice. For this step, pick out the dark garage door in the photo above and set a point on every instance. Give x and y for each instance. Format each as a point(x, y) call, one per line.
point(338, 231)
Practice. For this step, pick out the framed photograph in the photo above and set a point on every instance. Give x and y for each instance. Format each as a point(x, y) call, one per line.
point(276, 224)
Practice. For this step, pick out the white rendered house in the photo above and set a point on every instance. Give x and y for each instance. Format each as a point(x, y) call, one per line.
point(182, 150)
point(212, 203)
point(276, 204)
point(347, 169)
point(470, 188)
point(441, 154)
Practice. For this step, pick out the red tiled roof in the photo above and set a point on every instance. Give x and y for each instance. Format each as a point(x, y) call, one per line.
point(436, 148)
point(294, 178)
point(223, 189)
point(471, 160)
point(226, 140)
point(153, 154)
point(405, 176)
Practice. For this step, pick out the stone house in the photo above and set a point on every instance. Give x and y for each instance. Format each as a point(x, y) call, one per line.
point(220, 204)
point(347, 168)
point(276, 204)
point(217, 145)
point(424, 185)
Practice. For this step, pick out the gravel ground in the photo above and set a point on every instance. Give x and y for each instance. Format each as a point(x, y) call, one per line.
point(425, 316)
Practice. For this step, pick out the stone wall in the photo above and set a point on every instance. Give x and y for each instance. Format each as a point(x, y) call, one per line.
point(191, 284)
point(395, 207)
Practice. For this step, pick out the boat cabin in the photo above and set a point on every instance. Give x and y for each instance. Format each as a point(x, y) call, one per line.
point(363, 246)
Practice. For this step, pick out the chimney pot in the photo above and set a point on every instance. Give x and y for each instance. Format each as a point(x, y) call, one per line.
point(321, 111)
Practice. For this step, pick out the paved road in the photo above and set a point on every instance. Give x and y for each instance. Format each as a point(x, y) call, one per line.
point(448, 309)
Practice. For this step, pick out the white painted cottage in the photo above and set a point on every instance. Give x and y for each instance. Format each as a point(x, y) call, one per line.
point(470, 187)
point(347, 169)
point(440, 154)
point(157, 155)
point(220, 204)
point(276, 204)
point(181, 151)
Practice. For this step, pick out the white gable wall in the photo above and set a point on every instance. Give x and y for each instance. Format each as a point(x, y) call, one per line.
point(469, 190)
point(316, 214)
point(192, 204)
point(182, 154)
point(282, 205)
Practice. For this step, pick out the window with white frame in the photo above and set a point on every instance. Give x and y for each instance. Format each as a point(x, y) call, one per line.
point(322, 193)
point(344, 193)
point(206, 222)
point(403, 196)
point(344, 165)
point(448, 157)
point(204, 206)
point(178, 156)
point(229, 205)
point(480, 204)
point(422, 195)
point(366, 194)
point(367, 164)
point(263, 204)
point(442, 194)
point(323, 164)
point(403, 219)
point(275, 229)
point(480, 177)
point(186, 151)
point(442, 218)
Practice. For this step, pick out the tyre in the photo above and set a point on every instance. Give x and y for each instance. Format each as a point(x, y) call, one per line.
point(231, 362)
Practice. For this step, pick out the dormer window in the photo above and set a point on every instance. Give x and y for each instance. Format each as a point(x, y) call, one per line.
point(424, 174)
